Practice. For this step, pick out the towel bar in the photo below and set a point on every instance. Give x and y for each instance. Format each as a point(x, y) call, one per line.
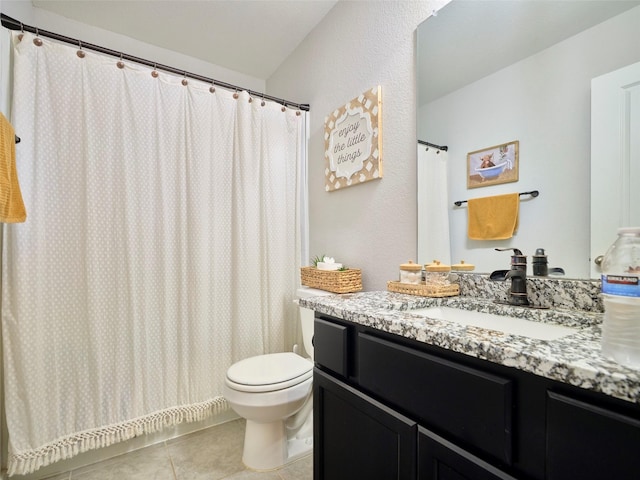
point(533, 193)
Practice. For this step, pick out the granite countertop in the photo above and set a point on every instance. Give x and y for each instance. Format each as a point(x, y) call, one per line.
point(574, 359)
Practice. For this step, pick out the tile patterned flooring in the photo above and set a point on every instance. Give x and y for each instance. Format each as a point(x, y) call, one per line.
point(211, 454)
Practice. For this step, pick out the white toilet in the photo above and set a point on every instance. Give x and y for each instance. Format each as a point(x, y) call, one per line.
point(273, 393)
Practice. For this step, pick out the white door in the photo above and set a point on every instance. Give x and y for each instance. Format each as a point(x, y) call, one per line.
point(615, 157)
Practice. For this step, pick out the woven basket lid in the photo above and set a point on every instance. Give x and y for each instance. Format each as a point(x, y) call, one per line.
point(436, 266)
point(410, 266)
point(463, 266)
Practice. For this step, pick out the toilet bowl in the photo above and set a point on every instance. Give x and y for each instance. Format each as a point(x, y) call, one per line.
point(273, 392)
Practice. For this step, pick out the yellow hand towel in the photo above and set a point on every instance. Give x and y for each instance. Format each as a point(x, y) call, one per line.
point(493, 218)
point(11, 205)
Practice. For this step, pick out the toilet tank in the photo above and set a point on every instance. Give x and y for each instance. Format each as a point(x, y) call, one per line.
point(307, 315)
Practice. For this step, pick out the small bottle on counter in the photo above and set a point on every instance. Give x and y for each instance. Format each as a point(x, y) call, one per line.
point(411, 273)
point(437, 274)
point(621, 296)
point(540, 263)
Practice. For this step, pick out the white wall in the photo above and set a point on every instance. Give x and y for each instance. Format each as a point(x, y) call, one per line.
point(359, 45)
point(544, 102)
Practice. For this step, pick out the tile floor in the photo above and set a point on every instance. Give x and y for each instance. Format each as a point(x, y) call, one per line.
point(211, 454)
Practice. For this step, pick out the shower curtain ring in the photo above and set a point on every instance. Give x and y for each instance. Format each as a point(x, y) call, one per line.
point(80, 52)
point(263, 103)
point(235, 94)
point(184, 80)
point(155, 73)
point(21, 34)
point(36, 41)
point(212, 88)
point(120, 63)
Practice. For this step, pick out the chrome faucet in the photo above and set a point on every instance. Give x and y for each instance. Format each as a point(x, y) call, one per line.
point(518, 274)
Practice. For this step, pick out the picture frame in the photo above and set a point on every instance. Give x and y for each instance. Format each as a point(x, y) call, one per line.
point(493, 165)
point(353, 142)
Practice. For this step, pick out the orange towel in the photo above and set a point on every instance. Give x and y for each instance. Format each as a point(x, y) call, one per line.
point(493, 218)
point(11, 205)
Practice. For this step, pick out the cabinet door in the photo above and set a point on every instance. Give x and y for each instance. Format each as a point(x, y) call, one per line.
point(585, 441)
point(356, 437)
point(439, 459)
point(474, 407)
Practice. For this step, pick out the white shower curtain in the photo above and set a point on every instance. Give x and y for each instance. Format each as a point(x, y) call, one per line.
point(433, 206)
point(162, 244)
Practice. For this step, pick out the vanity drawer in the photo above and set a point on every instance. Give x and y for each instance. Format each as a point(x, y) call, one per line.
point(587, 441)
point(330, 344)
point(463, 403)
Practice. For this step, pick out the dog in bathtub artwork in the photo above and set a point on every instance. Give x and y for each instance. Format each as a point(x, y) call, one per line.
point(493, 165)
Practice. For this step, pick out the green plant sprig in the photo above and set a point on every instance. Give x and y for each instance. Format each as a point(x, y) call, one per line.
point(317, 259)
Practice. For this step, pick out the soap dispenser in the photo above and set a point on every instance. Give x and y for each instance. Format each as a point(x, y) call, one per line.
point(540, 264)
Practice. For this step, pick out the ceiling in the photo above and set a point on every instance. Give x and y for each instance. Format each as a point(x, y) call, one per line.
point(470, 39)
point(248, 36)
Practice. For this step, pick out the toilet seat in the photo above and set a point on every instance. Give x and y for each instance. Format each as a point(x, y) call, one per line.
point(270, 372)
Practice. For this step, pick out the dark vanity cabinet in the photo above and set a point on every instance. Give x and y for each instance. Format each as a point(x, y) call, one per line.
point(585, 440)
point(387, 407)
point(442, 460)
point(360, 437)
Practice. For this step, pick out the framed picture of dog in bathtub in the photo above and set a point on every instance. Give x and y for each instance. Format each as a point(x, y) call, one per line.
point(493, 165)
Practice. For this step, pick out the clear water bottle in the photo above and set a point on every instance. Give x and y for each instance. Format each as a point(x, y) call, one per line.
point(621, 295)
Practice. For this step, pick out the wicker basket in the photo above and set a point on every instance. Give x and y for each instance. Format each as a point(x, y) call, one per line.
point(336, 281)
point(424, 290)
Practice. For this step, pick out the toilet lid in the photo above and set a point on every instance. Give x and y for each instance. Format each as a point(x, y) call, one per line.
point(273, 368)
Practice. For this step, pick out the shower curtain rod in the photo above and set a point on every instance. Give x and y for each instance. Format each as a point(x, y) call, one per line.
point(13, 24)
point(433, 145)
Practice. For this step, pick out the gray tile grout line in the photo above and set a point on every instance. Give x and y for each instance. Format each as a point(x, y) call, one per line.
point(173, 467)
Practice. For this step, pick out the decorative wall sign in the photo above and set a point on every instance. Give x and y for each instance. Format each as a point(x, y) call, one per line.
point(493, 165)
point(353, 142)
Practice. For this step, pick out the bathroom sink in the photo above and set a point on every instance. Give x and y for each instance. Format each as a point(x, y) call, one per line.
point(490, 321)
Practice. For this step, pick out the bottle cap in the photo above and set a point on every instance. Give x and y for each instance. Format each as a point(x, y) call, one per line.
point(410, 266)
point(629, 231)
point(437, 267)
point(463, 266)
